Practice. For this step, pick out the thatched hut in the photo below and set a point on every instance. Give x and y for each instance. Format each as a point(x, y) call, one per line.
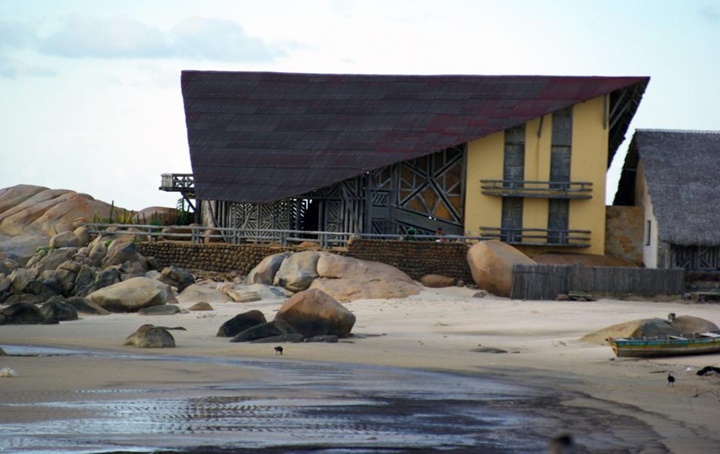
point(673, 175)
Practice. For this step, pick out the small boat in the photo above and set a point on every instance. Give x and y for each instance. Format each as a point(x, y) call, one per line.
point(652, 347)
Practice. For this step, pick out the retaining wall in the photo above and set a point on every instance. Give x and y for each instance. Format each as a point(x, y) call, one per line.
point(416, 258)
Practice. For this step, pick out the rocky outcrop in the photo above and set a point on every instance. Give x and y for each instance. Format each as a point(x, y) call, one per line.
point(130, 295)
point(491, 264)
point(315, 313)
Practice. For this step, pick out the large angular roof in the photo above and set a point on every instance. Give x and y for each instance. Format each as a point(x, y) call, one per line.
point(261, 136)
point(681, 170)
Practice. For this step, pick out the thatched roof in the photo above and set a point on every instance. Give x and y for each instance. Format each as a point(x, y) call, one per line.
point(681, 169)
point(261, 136)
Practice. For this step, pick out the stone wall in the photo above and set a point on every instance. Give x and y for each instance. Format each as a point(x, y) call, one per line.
point(624, 232)
point(416, 258)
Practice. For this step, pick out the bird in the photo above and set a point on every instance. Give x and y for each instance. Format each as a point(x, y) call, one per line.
point(671, 379)
point(278, 350)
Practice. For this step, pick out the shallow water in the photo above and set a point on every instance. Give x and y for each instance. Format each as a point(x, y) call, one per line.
point(296, 406)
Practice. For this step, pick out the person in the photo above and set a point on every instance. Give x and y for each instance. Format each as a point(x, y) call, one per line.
point(440, 234)
point(410, 234)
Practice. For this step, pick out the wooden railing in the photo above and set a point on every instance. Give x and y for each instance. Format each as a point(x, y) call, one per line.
point(201, 234)
point(177, 182)
point(539, 237)
point(537, 189)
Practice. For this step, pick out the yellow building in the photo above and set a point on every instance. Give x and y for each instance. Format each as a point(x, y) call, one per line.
point(541, 185)
point(519, 158)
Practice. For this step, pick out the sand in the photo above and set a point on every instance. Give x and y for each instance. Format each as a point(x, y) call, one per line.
point(440, 329)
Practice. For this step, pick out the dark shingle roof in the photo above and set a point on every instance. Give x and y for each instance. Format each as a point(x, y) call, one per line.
point(681, 169)
point(260, 137)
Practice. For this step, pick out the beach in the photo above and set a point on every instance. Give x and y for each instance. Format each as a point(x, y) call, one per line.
point(531, 345)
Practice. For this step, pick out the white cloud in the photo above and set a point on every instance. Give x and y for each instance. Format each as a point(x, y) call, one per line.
point(122, 37)
point(12, 68)
point(14, 35)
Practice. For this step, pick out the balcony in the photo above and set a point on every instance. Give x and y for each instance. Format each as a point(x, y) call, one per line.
point(539, 237)
point(178, 182)
point(537, 189)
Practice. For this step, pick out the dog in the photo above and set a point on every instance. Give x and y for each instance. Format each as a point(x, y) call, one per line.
point(278, 350)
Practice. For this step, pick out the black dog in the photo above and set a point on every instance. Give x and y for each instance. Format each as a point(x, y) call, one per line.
point(278, 350)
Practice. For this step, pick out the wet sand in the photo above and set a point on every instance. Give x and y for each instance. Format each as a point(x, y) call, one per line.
point(558, 383)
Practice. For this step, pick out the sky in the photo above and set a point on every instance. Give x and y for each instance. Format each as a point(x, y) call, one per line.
point(90, 94)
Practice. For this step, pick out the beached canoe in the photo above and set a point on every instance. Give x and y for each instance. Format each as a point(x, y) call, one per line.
point(691, 344)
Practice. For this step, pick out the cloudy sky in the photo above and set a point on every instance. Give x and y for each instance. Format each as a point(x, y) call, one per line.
point(90, 89)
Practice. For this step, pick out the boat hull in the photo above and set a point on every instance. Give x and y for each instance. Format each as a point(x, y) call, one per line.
point(650, 348)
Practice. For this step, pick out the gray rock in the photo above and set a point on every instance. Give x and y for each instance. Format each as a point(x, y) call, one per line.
point(165, 309)
point(84, 305)
point(58, 310)
point(201, 306)
point(149, 336)
point(131, 295)
point(291, 338)
point(22, 314)
point(20, 278)
point(243, 296)
point(264, 272)
point(240, 323)
point(179, 278)
point(106, 278)
point(64, 239)
point(84, 281)
point(274, 328)
point(297, 272)
point(196, 293)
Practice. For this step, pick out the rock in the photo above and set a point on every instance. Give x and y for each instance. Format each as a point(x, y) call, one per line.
point(491, 265)
point(179, 278)
point(43, 290)
point(288, 338)
point(22, 314)
point(197, 292)
point(149, 336)
point(51, 259)
point(688, 324)
point(7, 266)
point(83, 235)
point(131, 295)
point(273, 328)
point(347, 278)
point(57, 309)
point(98, 249)
point(15, 298)
point(106, 278)
point(2, 352)
point(270, 292)
point(86, 306)
point(363, 287)
point(297, 272)
point(243, 296)
point(5, 284)
point(325, 339)
point(240, 323)
point(437, 281)
point(84, 281)
point(63, 240)
point(314, 313)
point(201, 306)
point(120, 252)
point(20, 278)
point(165, 309)
point(66, 274)
point(264, 272)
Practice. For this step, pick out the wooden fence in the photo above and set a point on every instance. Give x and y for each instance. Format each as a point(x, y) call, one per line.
point(546, 282)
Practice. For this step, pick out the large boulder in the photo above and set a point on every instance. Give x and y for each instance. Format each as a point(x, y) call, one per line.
point(57, 309)
point(63, 240)
point(347, 278)
point(297, 272)
point(149, 336)
point(264, 272)
point(196, 293)
point(240, 323)
point(50, 259)
point(315, 313)
point(86, 306)
point(491, 263)
point(130, 295)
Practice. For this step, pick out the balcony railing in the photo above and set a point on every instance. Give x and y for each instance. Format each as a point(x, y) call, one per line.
point(177, 182)
point(539, 237)
point(537, 189)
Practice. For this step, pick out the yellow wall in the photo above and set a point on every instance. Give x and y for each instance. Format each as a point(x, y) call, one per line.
point(484, 162)
point(588, 162)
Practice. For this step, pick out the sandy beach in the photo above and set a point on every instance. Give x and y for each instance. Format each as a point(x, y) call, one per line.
point(440, 330)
